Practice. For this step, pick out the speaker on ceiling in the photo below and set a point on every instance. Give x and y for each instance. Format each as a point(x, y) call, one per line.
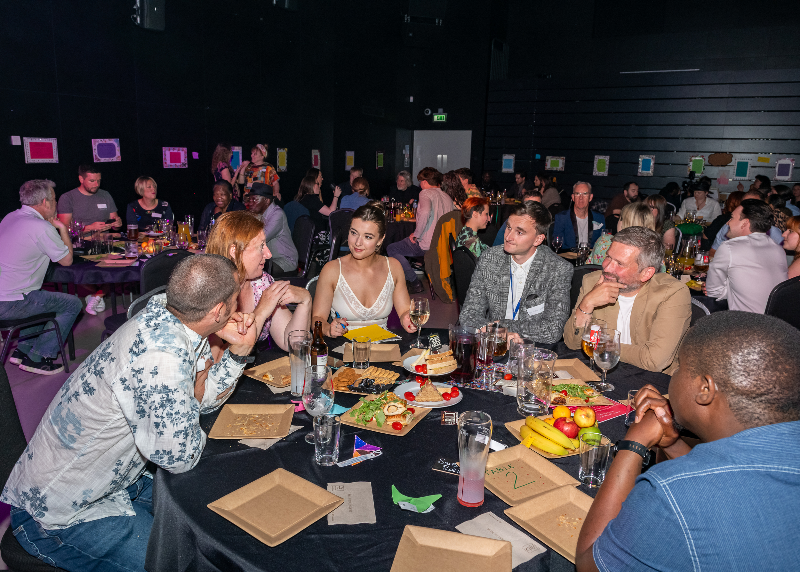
point(149, 14)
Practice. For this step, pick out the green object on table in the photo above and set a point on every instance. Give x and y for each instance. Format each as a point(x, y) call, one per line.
point(690, 228)
point(94, 257)
point(422, 503)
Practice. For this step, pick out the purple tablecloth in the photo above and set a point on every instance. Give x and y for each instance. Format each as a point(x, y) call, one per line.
point(90, 273)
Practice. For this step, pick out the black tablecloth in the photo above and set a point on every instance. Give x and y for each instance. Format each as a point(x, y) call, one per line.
point(397, 231)
point(186, 535)
point(90, 273)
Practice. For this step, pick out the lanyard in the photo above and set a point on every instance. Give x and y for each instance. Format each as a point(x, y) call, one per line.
point(515, 308)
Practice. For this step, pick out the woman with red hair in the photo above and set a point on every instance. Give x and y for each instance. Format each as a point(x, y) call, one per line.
point(475, 216)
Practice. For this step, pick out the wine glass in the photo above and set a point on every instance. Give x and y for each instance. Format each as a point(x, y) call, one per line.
point(583, 253)
point(500, 335)
point(420, 312)
point(606, 356)
point(317, 393)
point(557, 242)
point(486, 345)
point(591, 333)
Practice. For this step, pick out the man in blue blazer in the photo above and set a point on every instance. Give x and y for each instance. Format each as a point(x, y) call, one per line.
point(579, 224)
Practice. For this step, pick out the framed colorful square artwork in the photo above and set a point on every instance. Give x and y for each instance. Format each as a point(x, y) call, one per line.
point(282, 160)
point(236, 157)
point(315, 162)
point(106, 150)
point(40, 149)
point(508, 163)
point(175, 157)
point(600, 166)
point(783, 170)
point(697, 163)
point(554, 163)
point(646, 164)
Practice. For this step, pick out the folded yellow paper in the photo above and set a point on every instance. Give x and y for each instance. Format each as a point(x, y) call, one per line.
point(373, 332)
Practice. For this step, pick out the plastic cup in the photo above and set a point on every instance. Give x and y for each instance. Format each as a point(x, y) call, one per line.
point(326, 439)
point(595, 452)
point(299, 342)
point(630, 414)
point(474, 436)
point(361, 352)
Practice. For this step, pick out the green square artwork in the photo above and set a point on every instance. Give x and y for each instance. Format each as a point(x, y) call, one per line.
point(742, 169)
point(697, 166)
point(554, 163)
point(380, 160)
point(601, 166)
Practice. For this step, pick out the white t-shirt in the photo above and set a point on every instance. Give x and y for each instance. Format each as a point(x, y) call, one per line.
point(520, 274)
point(583, 229)
point(36, 242)
point(624, 318)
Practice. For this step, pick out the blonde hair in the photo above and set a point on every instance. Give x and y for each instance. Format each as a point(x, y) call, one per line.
point(636, 214)
point(235, 228)
point(141, 184)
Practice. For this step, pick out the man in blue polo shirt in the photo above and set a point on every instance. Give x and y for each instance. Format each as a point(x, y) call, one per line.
point(731, 502)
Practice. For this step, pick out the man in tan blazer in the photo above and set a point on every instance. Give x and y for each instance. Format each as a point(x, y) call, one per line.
point(651, 310)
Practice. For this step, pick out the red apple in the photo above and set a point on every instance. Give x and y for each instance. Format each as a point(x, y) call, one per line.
point(567, 427)
point(584, 416)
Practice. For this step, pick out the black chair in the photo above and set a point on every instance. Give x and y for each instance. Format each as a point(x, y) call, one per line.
point(312, 286)
point(11, 327)
point(303, 238)
point(157, 270)
point(577, 281)
point(783, 302)
point(452, 240)
point(135, 307)
point(155, 273)
point(339, 226)
point(699, 310)
point(12, 445)
point(464, 263)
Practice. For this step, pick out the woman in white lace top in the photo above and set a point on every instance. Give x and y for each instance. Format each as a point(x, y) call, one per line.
point(361, 288)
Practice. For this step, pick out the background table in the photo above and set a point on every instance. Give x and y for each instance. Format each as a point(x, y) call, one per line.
point(187, 535)
point(398, 230)
point(89, 273)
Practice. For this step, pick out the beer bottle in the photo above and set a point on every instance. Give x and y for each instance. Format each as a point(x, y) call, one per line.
point(319, 349)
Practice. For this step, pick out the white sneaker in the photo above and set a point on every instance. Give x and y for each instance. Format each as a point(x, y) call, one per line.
point(92, 303)
point(101, 304)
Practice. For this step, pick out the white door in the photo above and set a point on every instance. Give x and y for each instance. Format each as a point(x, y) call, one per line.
point(445, 150)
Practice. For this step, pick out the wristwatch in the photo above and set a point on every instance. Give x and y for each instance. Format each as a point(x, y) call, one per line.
point(242, 359)
point(637, 448)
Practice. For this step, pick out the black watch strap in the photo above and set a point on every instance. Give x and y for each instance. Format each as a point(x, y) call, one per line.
point(242, 359)
point(637, 448)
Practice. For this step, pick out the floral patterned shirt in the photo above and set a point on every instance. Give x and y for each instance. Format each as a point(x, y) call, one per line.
point(260, 174)
point(469, 238)
point(259, 286)
point(131, 401)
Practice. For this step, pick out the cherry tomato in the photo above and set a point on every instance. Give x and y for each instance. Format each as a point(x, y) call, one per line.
point(411, 409)
point(454, 392)
point(421, 380)
point(397, 426)
point(564, 392)
point(422, 368)
point(409, 396)
point(507, 376)
point(446, 396)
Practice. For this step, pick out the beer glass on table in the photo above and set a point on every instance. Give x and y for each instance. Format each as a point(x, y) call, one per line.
point(464, 347)
point(606, 356)
point(591, 333)
point(420, 311)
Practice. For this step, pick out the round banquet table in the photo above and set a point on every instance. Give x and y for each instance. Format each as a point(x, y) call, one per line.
point(398, 230)
point(89, 273)
point(186, 535)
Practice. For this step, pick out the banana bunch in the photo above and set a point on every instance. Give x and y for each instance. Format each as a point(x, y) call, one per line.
point(544, 436)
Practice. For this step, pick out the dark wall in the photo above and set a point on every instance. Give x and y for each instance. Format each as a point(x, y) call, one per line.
point(333, 76)
point(567, 97)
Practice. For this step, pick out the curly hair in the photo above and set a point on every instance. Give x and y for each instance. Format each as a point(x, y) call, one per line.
point(222, 154)
point(451, 185)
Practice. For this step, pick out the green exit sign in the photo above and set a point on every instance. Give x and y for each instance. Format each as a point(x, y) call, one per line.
point(439, 117)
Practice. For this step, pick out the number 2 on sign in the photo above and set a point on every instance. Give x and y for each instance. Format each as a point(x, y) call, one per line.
point(515, 480)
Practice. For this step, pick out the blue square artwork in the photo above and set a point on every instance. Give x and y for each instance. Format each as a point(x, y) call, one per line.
point(647, 165)
point(784, 169)
point(106, 150)
point(538, 156)
point(508, 164)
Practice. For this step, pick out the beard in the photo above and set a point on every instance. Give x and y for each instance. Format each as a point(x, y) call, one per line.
point(609, 277)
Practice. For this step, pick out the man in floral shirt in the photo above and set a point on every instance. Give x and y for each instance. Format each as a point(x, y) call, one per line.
point(81, 495)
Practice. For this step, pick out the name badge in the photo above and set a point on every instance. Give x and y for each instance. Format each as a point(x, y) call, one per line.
point(102, 206)
point(535, 310)
point(155, 215)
